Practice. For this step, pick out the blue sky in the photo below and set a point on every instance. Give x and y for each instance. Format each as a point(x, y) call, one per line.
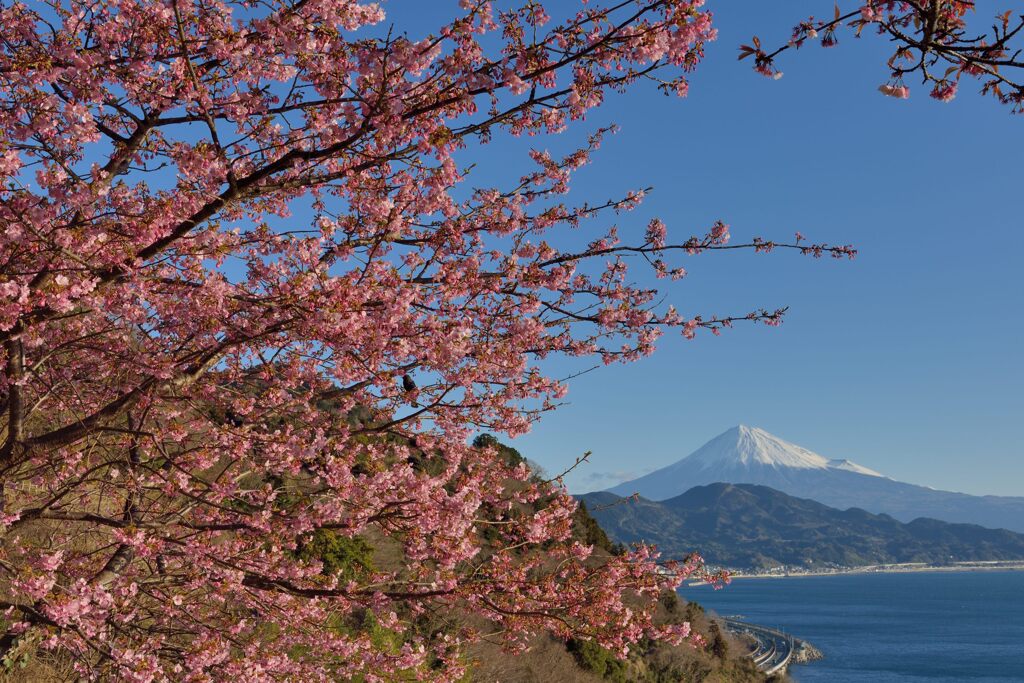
point(906, 360)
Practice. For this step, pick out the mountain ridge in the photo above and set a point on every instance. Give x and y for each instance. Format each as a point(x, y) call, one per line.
point(751, 526)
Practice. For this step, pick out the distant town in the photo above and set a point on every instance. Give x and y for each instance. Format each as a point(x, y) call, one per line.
point(783, 571)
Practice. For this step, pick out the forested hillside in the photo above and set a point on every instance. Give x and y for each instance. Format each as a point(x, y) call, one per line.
point(748, 526)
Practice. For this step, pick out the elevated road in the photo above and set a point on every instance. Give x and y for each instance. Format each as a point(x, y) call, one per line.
point(773, 649)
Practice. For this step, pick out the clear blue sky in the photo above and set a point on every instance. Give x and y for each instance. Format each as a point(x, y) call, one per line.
point(906, 360)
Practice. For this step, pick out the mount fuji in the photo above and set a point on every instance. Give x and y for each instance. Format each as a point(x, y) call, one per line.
point(748, 455)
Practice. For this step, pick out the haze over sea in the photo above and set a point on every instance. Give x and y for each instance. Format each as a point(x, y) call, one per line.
point(934, 627)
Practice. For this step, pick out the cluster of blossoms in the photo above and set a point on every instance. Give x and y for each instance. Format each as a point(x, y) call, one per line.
point(250, 318)
point(933, 41)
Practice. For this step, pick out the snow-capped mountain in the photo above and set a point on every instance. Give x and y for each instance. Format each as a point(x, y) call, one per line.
point(748, 455)
point(750, 447)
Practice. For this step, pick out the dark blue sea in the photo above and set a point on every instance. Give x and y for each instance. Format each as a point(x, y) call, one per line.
point(938, 627)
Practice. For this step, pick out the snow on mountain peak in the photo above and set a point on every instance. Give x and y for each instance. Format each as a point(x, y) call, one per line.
point(743, 445)
point(853, 467)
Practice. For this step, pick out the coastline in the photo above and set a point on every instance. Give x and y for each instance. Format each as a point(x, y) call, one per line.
point(902, 568)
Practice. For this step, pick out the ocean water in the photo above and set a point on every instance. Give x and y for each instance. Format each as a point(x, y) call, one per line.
point(929, 627)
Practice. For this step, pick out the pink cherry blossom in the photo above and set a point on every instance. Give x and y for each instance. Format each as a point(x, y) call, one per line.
point(253, 300)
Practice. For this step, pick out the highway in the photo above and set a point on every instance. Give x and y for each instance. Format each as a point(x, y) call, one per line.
point(773, 649)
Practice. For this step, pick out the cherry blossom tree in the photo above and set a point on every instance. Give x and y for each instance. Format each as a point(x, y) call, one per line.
point(253, 312)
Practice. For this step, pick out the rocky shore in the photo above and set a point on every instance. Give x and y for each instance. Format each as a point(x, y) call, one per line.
point(804, 652)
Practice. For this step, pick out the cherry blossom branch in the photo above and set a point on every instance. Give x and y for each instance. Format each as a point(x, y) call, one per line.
point(927, 33)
